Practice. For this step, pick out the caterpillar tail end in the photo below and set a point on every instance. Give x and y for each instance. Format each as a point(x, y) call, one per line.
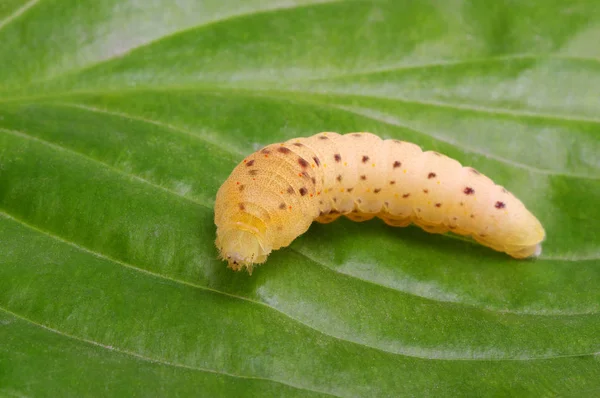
point(241, 249)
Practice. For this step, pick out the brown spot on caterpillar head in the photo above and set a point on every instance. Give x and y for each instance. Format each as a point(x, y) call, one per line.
point(431, 175)
point(472, 170)
point(339, 178)
point(253, 172)
point(406, 195)
point(426, 191)
point(241, 187)
point(500, 205)
point(241, 206)
point(265, 151)
point(298, 144)
point(317, 161)
point(392, 182)
point(337, 157)
point(438, 205)
point(323, 137)
point(349, 189)
point(472, 216)
point(304, 174)
point(397, 164)
point(363, 177)
point(303, 163)
point(282, 206)
point(303, 191)
point(358, 200)
point(250, 163)
point(314, 180)
point(365, 159)
point(357, 135)
point(334, 199)
point(462, 203)
point(469, 191)
point(283, 150)
point(377, 190)
point(290, 190)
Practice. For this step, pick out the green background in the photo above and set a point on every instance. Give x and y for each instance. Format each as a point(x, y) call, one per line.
point(120, 119)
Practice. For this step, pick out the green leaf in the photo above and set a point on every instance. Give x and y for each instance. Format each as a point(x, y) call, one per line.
point(119, 120)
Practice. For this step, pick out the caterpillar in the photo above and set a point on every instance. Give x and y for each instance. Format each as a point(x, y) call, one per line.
point(274, 195)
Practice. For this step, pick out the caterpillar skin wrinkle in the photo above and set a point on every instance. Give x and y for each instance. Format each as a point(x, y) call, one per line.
point(274, 195)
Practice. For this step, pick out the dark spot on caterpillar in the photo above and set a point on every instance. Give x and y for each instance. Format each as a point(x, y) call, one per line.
point(438, 205)
point(406, 195)
point(305, 174)
point(320, 202)
point(504, 190)
point(426, 191)
point(386, 204)
point(392, 182)
point(334, 212)
point(250, 163)
point(436, 153)
point(472, 216)
point(482, 235)
point(363, 177)
point(377, 190)
point(397, 141)
point(469, 191)
point(357, 135)
point(265, 151)
point(303, 163)
point(462, 203)
point(316, 159)
point(349, 189)
point(282, 206)
point(241, 206)
point(334, 200)
point(472, 170)
point(283, 150)
point(339, 177)
point(455, 218)
point(303, 191)
point(279, 228)
point(241, 188)
point(451, 227)
point(418, 209)
point(397, 164)
point(323, 137)
point(314, 181)
point(431, 175)
point(298, 144)
point(365, 159)
point(337, 157)
point(499, 205)
point(358, 200)
point(253, 172)
point(290, 190)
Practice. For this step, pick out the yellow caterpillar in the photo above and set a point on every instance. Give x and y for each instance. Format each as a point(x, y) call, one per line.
point(274, 195)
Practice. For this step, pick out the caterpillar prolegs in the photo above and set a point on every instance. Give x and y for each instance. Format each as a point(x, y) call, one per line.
point(274, 195)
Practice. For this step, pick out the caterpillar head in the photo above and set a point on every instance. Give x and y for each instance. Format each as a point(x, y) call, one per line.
point(241, 246)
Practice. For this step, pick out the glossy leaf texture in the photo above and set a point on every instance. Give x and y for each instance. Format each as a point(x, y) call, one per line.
point(119, 120)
